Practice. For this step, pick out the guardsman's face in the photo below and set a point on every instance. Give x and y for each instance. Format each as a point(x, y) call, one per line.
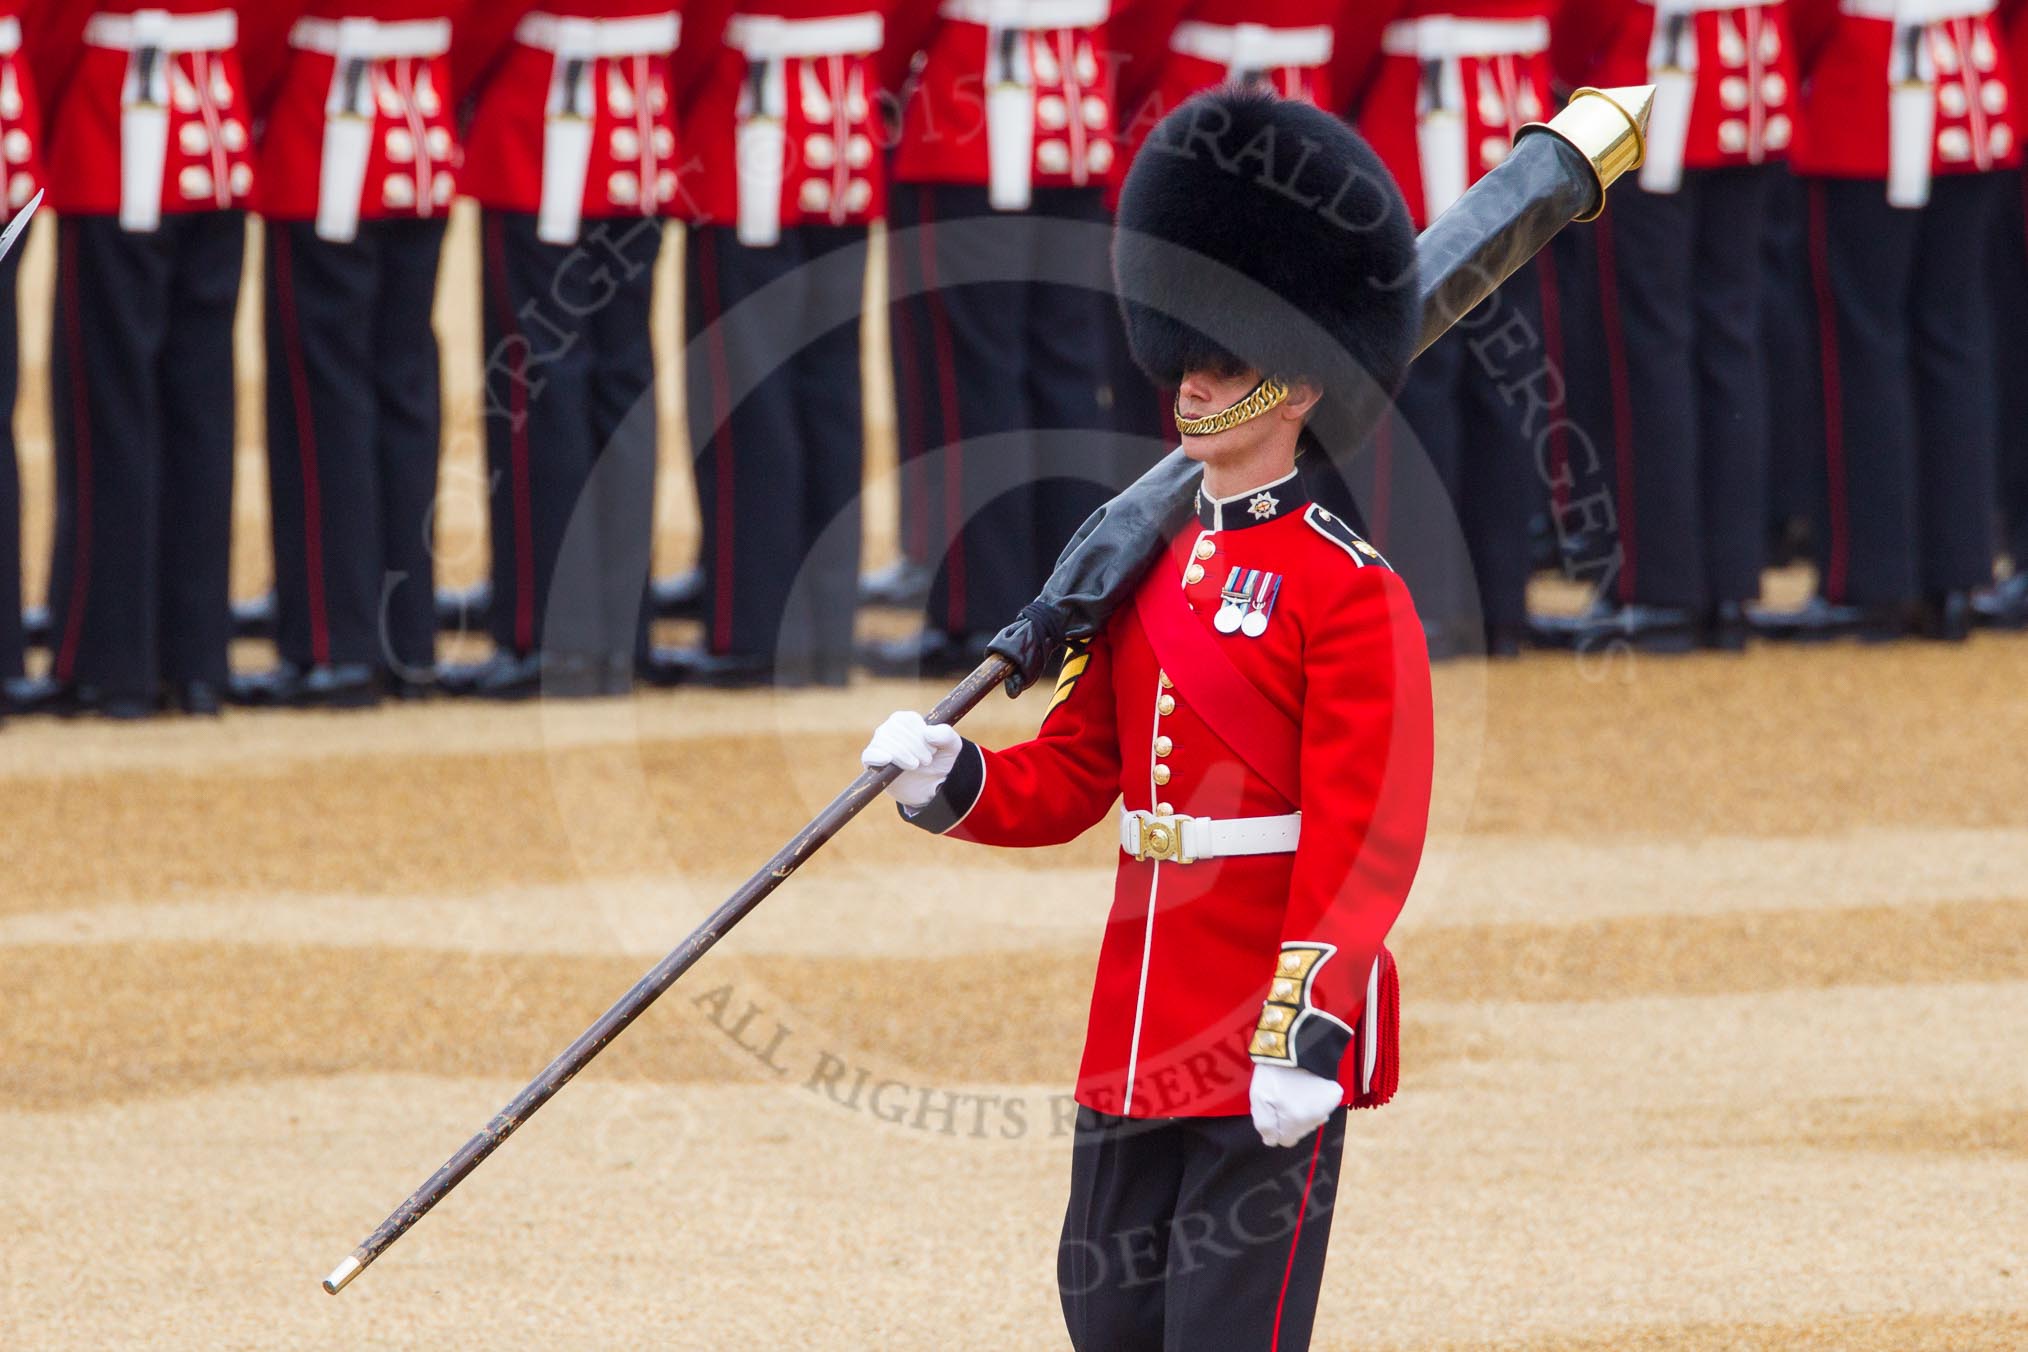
point(1206, 392)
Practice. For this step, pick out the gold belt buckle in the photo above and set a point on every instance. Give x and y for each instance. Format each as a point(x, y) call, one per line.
point(1162, 840)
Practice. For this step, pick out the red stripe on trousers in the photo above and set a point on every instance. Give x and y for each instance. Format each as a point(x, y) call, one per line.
point(1289, 1269)
point(1623, 407)
point(721, 444)
point(524, 521)
point(81, 445)
point(1559, 423)
point(947, 391)
point(306, 447)
point(1839, 553)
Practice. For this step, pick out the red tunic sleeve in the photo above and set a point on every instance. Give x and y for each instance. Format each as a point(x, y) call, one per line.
point(1048, 790)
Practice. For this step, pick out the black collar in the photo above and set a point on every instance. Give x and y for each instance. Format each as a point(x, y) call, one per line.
point(1255, 507)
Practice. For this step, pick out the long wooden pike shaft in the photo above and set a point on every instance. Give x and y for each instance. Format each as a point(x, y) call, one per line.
point(649, 988)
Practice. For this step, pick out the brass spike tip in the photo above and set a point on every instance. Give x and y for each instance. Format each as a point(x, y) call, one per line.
point(342, 1274)
point(1606, 126)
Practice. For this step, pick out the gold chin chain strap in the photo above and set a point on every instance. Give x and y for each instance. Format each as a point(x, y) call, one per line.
point(1266, 396)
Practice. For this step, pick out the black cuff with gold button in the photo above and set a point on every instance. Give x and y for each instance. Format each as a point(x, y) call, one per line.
point(1292, 1032)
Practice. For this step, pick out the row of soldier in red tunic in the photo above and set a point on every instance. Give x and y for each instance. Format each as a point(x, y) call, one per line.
point(777, 130)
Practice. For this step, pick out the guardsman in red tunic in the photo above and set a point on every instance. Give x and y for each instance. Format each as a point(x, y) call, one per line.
point(151, 169)
point(358, 167)
point(20, 180)
point(1907, 133)
point(1006, 148)
point(572, 152)
point(1440, 87)
point(1678, 406)
point(785, 126)
point(1260, 713)
point(1168, 50)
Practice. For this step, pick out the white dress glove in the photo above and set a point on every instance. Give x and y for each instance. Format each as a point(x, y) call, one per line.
point(1289, 1104)
point(924, 751)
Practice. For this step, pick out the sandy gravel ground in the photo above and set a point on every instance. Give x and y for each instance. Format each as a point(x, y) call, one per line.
point(1716, 978)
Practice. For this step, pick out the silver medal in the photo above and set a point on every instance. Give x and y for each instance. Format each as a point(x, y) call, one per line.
point(1232, 605)
point(1262, 604)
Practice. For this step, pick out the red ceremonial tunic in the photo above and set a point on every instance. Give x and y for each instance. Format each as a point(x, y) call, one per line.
point(1012, 95)
point(356, 97)
point(1904, 91)
point(575, 118)
point(1168, 50)
point(1448, 83)
point(784, 123)
point(20, 116)
point(1201, 959)
point(150, 114)
point(1725, 76)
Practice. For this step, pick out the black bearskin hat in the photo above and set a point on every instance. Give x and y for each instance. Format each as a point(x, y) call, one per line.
point(1245, 214)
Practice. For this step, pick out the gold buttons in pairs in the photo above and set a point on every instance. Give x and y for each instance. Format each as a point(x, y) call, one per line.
point(1195, 575)
point(1163, 746)
point(1166, 705)
point(1205, 549)
point(1161, 774)
point(1166, 684)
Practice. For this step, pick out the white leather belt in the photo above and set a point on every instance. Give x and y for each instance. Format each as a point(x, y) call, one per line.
point(10, 36)
point(590, 39)
point(1252, 46)
point(1185, 840)
point(1444, 38)
point(371, 40)
point(172, 33)
point(763, 37)
point(1917, 11)
point(1031, 15)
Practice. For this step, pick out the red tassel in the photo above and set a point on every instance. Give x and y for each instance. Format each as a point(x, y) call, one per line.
point(1386, 1022)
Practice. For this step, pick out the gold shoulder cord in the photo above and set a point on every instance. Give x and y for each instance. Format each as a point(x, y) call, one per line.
point(1266, 396)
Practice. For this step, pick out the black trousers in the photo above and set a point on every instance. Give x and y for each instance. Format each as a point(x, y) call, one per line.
point(1457, 529)
point(1905, 381)
point(11, 637)
point(777, 431)
point(570, 434)
point(984, 372)
point(1189, 1235)
point(1680, 295)
point(354, 424)
point(142, 372)
point(1789, 339)
point(2010, 362)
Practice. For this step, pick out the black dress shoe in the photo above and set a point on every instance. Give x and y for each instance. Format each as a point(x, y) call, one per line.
point(255, 618)
point(501, 676)
point(465, 612)
point(1725, 628)
point(931, 653)
point(903, 584)
point(410, 686)
point(1644, 628)
point(1504, 641)
point(61, 699)
point(669, 667)
point(2004, 605)
point(678, 598)
point(199, 699)
point(1818, 620)
point(1947, 617)
point(351, 685)
point(29, 694)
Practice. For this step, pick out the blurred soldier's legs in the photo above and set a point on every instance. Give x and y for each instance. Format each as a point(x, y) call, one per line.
point(352, 452)
point(569, 362)
point(778, 472)
point(1789, 342)
point(1066, 376)
point(10, 474)
point(2009, 605)
point(1909, 417)
point(142, 370)
point(1732, 428)
point(1189, 1235)
point(924, 419)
